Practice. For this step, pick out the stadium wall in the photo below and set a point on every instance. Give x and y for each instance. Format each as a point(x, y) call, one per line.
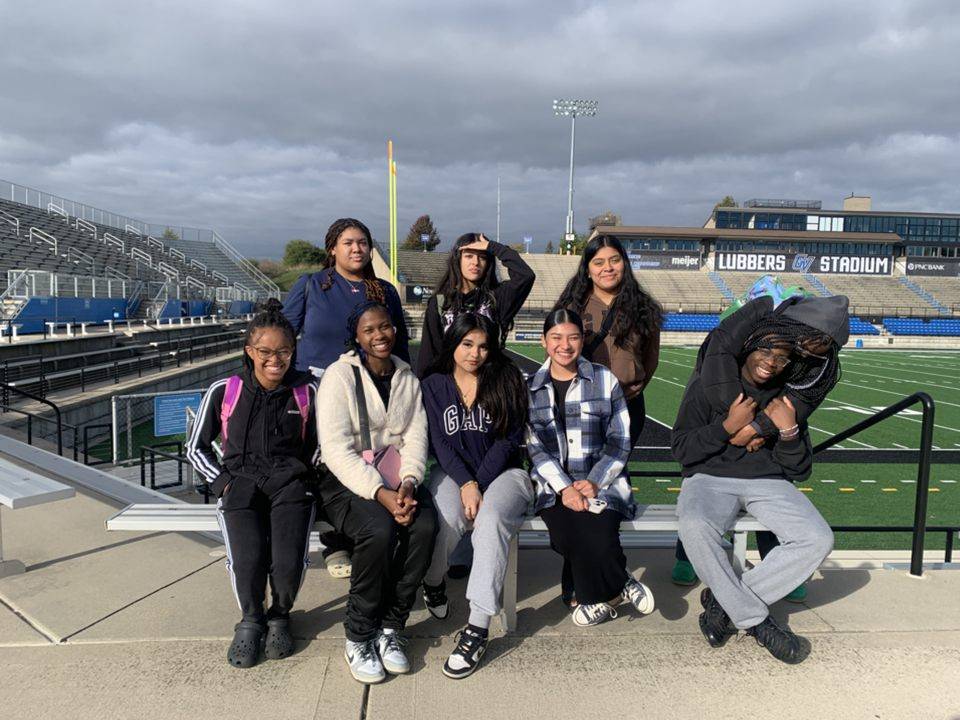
point(39, 310)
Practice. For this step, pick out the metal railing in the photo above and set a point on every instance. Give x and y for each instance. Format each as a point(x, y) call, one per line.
point(923, 458)
point(7, 388)
point(82, 224)
point(154, 451)
point(39, 236)
point(10, 219)
point(246, 265)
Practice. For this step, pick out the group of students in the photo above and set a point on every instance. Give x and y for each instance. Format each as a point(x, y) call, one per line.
point(338, 425)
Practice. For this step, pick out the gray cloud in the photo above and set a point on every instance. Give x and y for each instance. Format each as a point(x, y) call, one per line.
point(267, 121)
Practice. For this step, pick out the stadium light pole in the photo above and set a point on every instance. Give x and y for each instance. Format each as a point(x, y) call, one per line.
point(572, 109)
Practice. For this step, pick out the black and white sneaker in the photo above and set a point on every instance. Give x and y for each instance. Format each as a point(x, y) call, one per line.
point(435, 598)
point(466, 655)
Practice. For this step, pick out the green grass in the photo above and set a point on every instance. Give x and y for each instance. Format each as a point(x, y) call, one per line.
point(848, 493)
point(142, 436)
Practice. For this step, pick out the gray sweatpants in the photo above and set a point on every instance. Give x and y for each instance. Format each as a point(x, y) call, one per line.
point(505, 502)
point(708, 507)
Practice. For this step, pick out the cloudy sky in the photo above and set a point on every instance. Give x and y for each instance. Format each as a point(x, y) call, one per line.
point(268, 120)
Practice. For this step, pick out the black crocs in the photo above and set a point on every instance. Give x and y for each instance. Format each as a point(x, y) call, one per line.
point(245, 649)
point(279, 642)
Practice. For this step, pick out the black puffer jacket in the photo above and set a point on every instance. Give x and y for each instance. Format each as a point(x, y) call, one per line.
point(264, 443)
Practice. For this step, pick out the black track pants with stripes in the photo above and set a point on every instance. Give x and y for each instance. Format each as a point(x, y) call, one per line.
point(266, 537)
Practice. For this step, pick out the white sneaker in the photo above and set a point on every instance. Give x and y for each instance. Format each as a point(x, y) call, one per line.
point(638, 595)
point(587, 615)
point(364, 662)
point(390, 646)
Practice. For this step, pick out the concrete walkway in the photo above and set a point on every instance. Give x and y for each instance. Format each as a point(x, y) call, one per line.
point(111, 625)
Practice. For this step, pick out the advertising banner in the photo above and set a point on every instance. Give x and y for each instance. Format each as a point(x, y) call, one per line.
point(669, 260)
point(931, 267)
point(774, 262)
point(418, 293)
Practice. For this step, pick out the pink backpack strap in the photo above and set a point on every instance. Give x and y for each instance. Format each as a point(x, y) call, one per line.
point(230, 397)
point(301, 394)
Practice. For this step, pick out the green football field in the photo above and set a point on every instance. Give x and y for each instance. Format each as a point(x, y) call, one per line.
point(849, 493)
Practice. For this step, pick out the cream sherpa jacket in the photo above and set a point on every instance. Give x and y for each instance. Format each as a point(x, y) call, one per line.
point(404, 425)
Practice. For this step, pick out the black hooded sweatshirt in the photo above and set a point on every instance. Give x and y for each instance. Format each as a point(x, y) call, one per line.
point(701, 444)
point(264, 444)
point(717, 362)
point(508, 298)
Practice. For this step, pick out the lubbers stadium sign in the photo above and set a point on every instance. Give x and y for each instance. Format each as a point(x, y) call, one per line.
point(804, 262)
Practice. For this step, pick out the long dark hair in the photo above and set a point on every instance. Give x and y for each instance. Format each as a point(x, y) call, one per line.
point(449, 286)
point(501, 390)
point(270, 315)
point(635, 311)
point(370, 282)
point(809, 377)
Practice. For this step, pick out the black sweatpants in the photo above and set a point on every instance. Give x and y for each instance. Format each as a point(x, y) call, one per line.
point(266, 536)
point(389, 560)
point(590, 542)
point(637, 409)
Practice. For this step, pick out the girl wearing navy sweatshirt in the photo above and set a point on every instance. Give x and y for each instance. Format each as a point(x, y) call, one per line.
point(318, 307)
point(476, 404)
point(265, 481)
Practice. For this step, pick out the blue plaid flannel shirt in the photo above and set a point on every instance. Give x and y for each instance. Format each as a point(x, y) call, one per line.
point(596, 445)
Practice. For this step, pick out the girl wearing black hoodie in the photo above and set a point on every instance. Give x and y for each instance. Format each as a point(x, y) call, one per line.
point(470, 284)
point(263, 480)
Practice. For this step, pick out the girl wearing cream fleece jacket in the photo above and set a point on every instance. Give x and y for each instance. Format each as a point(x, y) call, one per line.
point(392, 529)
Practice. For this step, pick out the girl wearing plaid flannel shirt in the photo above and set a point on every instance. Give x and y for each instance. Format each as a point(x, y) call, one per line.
point(578, 439)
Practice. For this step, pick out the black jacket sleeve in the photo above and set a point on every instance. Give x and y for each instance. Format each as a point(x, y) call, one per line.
point(512, 294)
point(206, 429)
point(795, 457)
point(696, 435)
point(431, 337)
point(719, 368)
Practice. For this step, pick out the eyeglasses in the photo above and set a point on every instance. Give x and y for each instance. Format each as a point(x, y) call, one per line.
point(768, 355)
point(265, 354)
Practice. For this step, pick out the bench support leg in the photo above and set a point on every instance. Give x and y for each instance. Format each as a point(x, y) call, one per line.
point(508, 616)
point(739, 552)
point(9, 567)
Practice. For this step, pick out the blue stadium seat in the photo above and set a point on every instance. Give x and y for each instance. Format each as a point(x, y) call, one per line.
point(690, 322)
point(922, 326)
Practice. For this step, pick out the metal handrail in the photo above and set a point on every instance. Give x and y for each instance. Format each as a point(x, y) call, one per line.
point(132, 230)
point(245, 264)
point(153, 242)
point(12, 220)
point(923, 465)
point(57, 210)
point(8, 387)
point(44, 237)
point(86, 225)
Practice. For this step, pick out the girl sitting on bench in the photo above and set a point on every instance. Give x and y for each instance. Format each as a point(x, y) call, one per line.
point(264, 481)
point(579, 442)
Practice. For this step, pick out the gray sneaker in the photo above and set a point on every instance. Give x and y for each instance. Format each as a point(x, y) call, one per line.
point(365, 665)
point(390, 646)
point(587, 615)
point(638, 595)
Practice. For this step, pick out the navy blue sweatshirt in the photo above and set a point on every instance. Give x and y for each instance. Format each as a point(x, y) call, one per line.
point(320, 316)
point(462, 440)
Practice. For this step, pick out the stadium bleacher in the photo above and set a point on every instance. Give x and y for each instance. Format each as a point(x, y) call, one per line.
point(922, 326)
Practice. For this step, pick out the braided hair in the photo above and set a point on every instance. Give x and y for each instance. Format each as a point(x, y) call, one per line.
point(270, 315)
point(809, 376)
point(370, 282)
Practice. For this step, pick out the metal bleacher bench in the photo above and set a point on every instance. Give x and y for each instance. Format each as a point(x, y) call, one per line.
point(20, 488)
point(202, 518)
